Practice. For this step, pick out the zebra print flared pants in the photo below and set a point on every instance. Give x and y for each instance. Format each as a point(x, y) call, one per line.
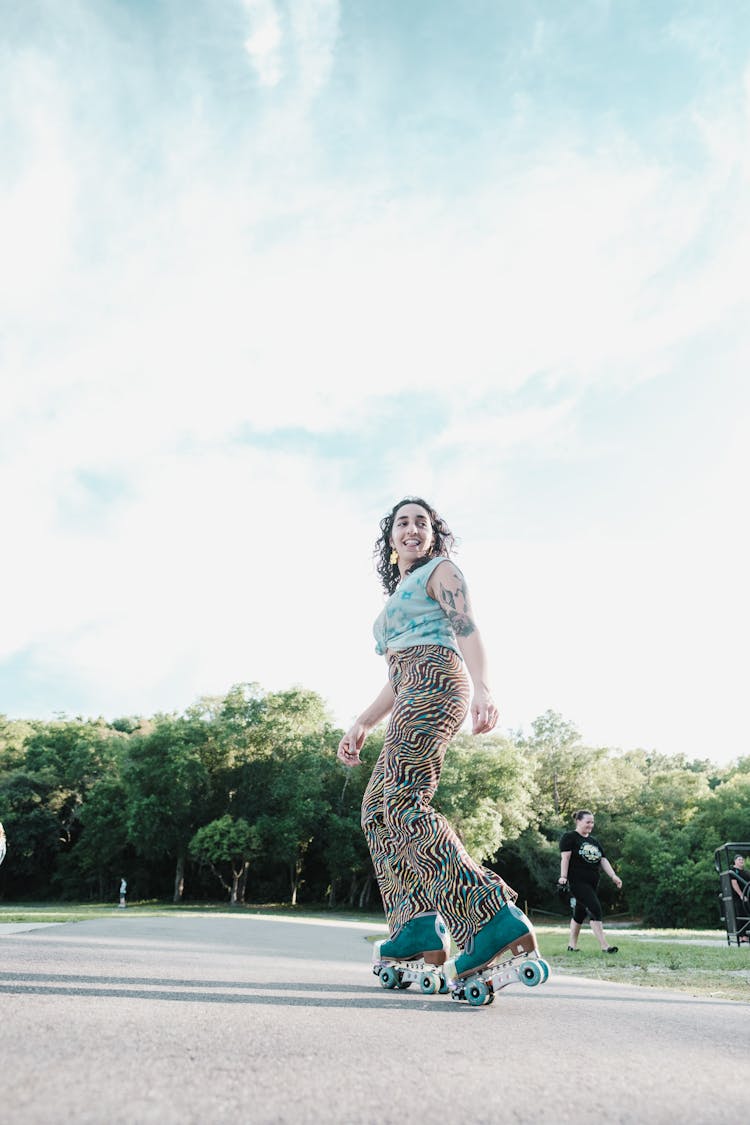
point(420, 863)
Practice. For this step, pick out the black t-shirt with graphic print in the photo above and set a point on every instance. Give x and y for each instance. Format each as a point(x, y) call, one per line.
point(586, 853)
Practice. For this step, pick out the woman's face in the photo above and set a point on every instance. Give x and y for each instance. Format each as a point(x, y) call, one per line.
point(585, 825)
point(739, 862)
point(411, 534)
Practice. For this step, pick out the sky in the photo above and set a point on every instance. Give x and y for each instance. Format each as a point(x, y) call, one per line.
point(268, 266)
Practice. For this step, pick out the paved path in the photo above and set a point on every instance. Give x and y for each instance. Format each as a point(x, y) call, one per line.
point(194, 1019)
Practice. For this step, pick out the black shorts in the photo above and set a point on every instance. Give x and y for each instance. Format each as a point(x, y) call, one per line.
point(586, 902)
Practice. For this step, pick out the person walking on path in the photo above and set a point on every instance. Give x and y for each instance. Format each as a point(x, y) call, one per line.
point(581, 858)
point(430, 639)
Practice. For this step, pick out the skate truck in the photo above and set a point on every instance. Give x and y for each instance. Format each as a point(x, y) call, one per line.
point(503, 952)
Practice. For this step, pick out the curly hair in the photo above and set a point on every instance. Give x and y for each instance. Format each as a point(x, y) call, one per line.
point(443, 542)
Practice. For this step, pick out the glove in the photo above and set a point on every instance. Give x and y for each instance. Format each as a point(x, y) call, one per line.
point(563, 891)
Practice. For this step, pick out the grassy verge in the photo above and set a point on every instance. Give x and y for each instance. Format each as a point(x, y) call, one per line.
point(695, 961)
point(81, 912)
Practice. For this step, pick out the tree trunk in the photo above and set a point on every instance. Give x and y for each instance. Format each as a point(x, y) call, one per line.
point(243, 882)
point(364, 897)
point(239, 876)
point(179, 879)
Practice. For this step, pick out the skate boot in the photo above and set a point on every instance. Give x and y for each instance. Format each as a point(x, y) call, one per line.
point(414, 955)
point(502, 952)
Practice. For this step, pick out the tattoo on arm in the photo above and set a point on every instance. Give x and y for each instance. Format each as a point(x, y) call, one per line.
point(461, 624)
point(455, 602)
point(446, 596)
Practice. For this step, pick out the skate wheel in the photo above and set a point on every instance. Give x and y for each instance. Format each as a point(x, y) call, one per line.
point(531, 974)
point(545, 969)
point(388, 978)
point(477, 993)
point(430, 983)
point(443, 986)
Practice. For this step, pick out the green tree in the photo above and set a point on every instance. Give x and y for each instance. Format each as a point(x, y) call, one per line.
point(227, 843)
point(343, 848)
point(563, 766)
point(167, 785)
point(280, 779)
point(102, 854)
point(487, 792)
point(32, 831)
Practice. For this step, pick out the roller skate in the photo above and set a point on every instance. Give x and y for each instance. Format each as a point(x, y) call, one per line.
point(415, 955)
point(502, 952)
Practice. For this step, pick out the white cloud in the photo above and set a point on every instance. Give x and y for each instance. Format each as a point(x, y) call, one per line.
point(36, 217)
point(315, 27)
point(487, 434)
point(298, 44)
point(263, 44)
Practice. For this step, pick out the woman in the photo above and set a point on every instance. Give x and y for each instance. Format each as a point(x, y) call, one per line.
point(740, 896)
point(427, 632)
point(581, 857)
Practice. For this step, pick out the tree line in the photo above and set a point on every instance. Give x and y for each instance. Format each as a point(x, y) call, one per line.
point(242, 798)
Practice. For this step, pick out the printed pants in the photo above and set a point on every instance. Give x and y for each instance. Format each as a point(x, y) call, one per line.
point(420, 863)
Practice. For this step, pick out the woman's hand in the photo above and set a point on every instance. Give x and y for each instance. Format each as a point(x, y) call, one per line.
point(484, 713)
point(617, 881)
point(351, 744)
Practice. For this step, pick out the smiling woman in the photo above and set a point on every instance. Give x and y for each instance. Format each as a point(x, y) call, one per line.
point(427, 632)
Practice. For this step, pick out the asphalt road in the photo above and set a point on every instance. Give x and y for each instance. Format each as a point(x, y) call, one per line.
point(254, 1019)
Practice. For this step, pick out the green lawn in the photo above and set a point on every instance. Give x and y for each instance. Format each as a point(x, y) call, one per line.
point(694, 961)
point(80, 912)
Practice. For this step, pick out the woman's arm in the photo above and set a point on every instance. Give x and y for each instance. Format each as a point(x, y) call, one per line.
point(353, 740)
point(609, 870)
point(564, 866)
point(447, 586)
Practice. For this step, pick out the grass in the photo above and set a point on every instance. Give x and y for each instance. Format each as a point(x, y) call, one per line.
point(81, 912)
point(698, 962)
point(690, 961)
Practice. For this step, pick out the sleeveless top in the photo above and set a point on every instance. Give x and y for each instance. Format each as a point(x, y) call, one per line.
point(412, 617)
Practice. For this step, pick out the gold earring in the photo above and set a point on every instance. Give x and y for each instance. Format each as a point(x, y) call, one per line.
point(394, 557)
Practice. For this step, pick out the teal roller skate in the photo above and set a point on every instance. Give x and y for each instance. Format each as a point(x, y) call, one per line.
point(502, 952)
point(415, 954)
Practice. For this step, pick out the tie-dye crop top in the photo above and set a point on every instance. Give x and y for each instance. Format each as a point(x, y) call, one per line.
point(412, 617)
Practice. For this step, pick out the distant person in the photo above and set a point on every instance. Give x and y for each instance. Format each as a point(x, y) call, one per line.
point(3, 843)
point(430, 640)
point(123, 892)
point(740, 885)
point(581, 859)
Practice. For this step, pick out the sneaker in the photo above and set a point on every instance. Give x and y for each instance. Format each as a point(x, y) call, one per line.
point(610, 949)
point(426, 934)
point(573, 949)
point(508, 930)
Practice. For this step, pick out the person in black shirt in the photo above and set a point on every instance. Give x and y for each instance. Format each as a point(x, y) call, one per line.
point(581, 858)
point(740, 885)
